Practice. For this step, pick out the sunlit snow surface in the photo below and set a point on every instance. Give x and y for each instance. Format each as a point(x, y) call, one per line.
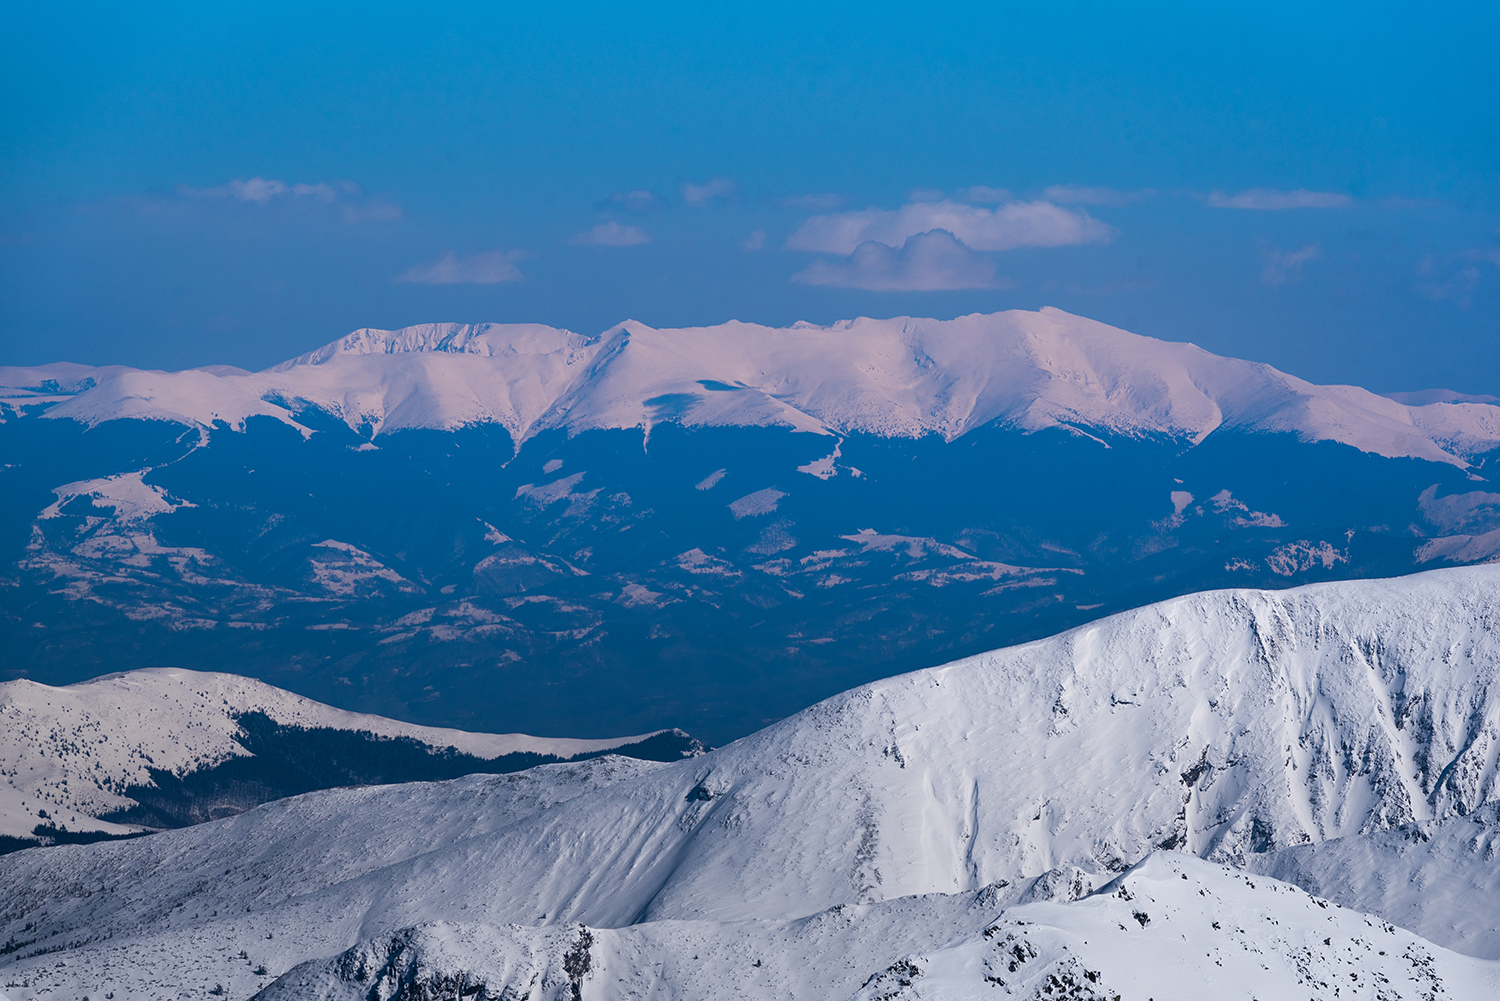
point(1235, 726)
point(902, 377)
point(1176, 927)
point(71, 751)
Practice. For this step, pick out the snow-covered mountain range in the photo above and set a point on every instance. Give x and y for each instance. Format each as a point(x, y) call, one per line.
point(79, 760)
point(513, 527)
point(1053, 816)
point(900, 377)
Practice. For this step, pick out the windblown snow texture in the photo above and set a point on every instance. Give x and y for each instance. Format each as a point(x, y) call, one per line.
point(903, 838)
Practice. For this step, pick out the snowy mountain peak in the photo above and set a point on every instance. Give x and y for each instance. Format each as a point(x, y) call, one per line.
point(487, 340)
point(898, 377)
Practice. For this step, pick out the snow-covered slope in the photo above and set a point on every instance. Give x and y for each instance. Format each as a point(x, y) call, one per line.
point(70, 754)
point(1171, 927)
point(1440, 879)
point(1223, 724)
point(893, 377)
point(1175, 927)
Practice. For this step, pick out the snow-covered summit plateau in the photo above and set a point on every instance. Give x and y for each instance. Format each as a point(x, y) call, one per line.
point(892, 377)
point(899, 839)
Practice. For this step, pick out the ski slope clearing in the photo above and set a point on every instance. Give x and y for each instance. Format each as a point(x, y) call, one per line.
point(1224, 725)
point(900, 377)
point(74, 754)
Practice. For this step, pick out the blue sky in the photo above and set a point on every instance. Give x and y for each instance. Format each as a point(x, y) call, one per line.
point(1315, 189)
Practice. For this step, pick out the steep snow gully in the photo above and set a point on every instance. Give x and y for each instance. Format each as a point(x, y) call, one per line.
point(1090, 813)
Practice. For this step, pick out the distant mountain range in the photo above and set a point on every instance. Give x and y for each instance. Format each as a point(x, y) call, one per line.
point(897, 378)
point(514, 527)
point(1118, 811)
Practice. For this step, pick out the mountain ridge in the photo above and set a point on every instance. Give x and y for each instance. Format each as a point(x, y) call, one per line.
point(88, 756)
point(1226, 725)
point(899, 377)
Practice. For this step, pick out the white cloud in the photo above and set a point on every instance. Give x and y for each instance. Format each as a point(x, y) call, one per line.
point(1019, 224)
point(355, 208)
point(1442, 281)
point(924, 195)
point(1280, 266)
point(261, 190)
point(322, 192)
point(257, 189)
point(982, 193)
point(702, 194)
point(822, 201)
point(612, 234)
point(1458, 287)
point(1270, 200)
point(926, 262)
point(640, 200)
point(756, 240)
point(488, 268)
point(1070, 194)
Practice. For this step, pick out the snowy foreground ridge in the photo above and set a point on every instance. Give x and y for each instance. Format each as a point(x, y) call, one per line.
point(895, 377)
point(1086, 816)
point(74, 751)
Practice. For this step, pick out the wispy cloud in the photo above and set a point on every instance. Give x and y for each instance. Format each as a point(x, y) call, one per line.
point(264, 191)
point(1456, 286)
point(613, 234)
point(640, 200)
point(1278, 267)
point(927, 262)
point(1019, 224)
point(756, 240)
point(701, 194)
point(258, 189)
point(322, 192)
point(488, 268)
point(1069, 194)
point(819, 202)
point(1458, 277)
point(1271, 200)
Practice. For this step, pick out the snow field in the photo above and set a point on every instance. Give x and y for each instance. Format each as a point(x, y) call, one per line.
point(1242, 727)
